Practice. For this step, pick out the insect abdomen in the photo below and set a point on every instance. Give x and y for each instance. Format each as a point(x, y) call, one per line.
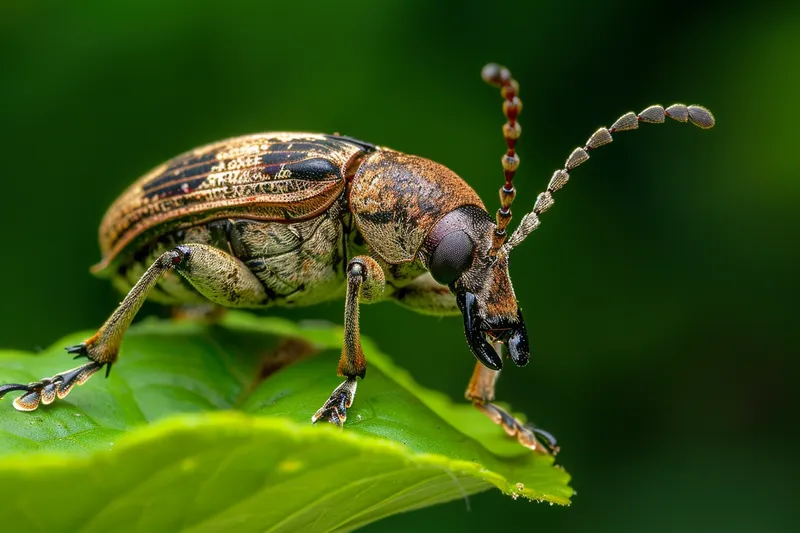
point(268, 177)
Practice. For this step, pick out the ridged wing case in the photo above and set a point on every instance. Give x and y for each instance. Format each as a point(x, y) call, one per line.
point(269, 176)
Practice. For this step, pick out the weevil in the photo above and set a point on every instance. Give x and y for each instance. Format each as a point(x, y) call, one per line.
point(294, 219)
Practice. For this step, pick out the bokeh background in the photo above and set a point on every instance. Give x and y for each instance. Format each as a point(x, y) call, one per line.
point(661, 292)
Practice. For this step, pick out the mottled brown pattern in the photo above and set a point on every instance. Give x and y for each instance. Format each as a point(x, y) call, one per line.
point(221, 277)
point(301, 263)
point(271, 176)
point(487, 278)
point(397, 198)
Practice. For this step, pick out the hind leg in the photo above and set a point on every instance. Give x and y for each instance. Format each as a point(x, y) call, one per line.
point(218, 276)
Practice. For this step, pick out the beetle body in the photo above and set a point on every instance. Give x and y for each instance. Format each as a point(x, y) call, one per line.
point(294, 207)
point(295, 219)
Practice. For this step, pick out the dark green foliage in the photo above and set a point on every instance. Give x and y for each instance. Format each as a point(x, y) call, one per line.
point(660, 293)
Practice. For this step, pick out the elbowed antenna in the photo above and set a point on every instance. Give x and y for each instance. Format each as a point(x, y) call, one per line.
point(498, 76)
point(655, 114)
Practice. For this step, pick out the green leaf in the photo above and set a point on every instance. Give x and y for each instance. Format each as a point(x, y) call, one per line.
point(186, 435)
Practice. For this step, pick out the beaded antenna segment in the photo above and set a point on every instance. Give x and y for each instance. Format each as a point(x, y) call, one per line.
point(655, 114)
point(498, 76)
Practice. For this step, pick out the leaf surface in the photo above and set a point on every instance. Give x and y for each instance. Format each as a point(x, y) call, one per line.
point(205, 428)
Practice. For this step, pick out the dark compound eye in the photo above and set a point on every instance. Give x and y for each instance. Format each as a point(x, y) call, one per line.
point(451, 257)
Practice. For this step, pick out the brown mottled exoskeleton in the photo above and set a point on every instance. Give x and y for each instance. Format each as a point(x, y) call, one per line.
point(295, 219)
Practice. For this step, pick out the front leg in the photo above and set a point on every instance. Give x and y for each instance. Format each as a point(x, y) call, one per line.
point(365, 283)
point(481, 392)
point(425, 295)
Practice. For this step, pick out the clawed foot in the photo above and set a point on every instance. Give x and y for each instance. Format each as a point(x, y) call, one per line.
point(58, 386)
point(335, 409)
point(526, 434)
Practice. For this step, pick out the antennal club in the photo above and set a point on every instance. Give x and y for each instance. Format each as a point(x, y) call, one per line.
point(655, 114)
point(498, 76)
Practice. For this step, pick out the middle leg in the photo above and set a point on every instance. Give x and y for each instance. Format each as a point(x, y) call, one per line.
point(365, 283)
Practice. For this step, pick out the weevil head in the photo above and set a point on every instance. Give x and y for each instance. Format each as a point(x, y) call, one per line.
point(458, 255)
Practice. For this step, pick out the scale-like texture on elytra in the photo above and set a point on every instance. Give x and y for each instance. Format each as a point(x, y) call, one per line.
point(268, 176)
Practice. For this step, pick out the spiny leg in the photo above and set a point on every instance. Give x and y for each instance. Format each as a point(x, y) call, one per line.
point(365, 283)
point(481, 392)
point(215, 274)
point(101, 349)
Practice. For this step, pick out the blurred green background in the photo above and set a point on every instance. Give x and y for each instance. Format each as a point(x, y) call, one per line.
point(661, 292)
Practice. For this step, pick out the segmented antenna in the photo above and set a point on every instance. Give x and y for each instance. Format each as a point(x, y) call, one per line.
point(498, 76)
point(655, 114)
